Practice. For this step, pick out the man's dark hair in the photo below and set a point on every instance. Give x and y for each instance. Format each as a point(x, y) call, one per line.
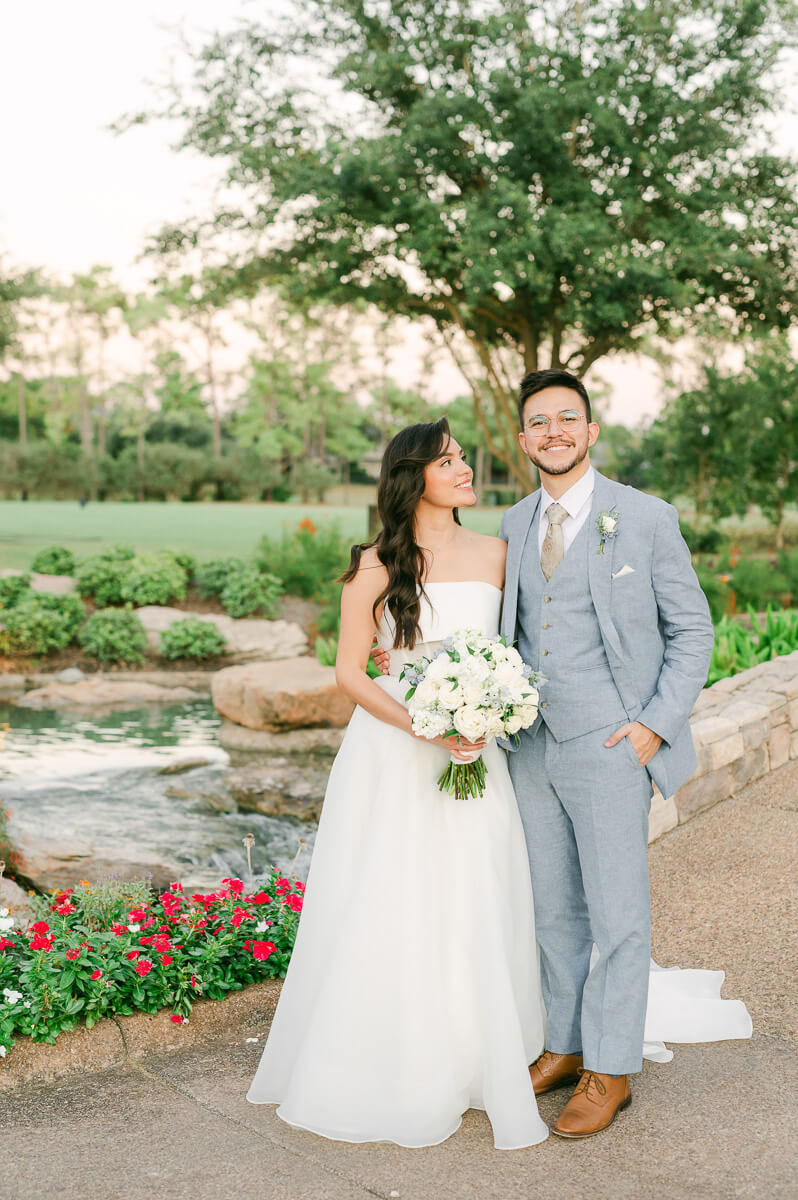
point(537, 381)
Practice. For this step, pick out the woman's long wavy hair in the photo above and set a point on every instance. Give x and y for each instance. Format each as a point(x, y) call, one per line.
point(400, 487)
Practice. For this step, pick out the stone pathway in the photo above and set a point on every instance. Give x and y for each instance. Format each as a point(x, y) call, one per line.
point(715, 1124)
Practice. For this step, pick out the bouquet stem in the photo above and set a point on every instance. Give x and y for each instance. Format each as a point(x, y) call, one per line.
point(464, 779)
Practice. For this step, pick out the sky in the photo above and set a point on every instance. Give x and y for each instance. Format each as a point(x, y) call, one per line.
point(73, 194)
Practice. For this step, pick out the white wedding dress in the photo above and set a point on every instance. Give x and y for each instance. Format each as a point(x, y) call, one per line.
point(413, 991)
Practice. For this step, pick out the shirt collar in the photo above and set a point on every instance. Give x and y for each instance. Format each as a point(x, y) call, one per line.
point(577, 496)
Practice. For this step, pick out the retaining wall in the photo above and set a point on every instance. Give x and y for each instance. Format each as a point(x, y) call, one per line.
point(743, 727)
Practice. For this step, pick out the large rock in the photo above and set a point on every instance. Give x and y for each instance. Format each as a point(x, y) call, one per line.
point(56, 585)
point(110, 693)
point(281, 787)
point(247, 638)
point(298, 693)
point(292, 741)
point(15, 900)
point(60, 862)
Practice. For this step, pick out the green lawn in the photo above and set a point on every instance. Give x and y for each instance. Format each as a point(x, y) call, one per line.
point(204, 530)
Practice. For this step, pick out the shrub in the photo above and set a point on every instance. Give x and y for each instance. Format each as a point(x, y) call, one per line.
point(247, 591)
point(13, 588)
point(756, 582)
point(186, 562)
point(207, 944)
point(308, 560)
point(54, 560)
point(153, 579)
point(101, 575)
point(708, 540)
point(737, 648)
point(38, 626)
point(192, 638)
point(70, 607)
point(211, 576)
point(114, 635)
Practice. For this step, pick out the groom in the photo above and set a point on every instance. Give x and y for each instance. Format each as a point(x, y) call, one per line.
point(602, 599)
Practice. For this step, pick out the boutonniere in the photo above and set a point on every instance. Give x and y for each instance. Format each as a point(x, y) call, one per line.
point(607, 525)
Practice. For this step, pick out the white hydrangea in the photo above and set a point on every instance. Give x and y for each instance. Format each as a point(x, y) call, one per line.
point(6, 921)
point(430, 724)
point(11, 995)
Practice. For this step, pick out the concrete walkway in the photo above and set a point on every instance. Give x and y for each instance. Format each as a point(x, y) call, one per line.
point(718, 1122)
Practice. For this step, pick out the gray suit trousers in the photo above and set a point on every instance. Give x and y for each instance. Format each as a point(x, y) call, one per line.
point(585, 813)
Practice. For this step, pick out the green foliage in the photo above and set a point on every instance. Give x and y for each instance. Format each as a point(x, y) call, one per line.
point(248, 590)
point(13, 589)
point(54, 560)
point(90, 937)
point(757, 583)
point(706, 540)
point(114, 635)
point(307, 560)
point(537, 176)
point(46, 469)
point(192, 638)
point(153, 579)
point(101, 575)
point(211, 576)
point(40, 624)
point(738, 648)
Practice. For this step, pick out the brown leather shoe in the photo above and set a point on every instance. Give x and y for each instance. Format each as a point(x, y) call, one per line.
point(551, 1071)
point(595, 1103)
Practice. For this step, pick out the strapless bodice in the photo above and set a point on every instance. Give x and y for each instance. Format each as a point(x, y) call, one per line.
point(446, 608)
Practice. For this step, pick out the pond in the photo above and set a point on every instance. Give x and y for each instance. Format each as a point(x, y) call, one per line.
point(96, 778)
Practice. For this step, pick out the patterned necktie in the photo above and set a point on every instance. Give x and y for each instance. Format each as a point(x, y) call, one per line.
point(552, 550)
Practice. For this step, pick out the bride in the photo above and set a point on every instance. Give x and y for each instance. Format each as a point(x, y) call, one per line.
point(413, 991)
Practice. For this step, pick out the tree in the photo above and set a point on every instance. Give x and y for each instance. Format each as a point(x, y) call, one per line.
point(91, 299)
point(733, 441)
point(547, 185)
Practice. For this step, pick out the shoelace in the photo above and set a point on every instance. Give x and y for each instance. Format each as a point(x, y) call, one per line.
point(588, 1079)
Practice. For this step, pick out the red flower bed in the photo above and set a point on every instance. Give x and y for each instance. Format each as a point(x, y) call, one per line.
point(162, 953)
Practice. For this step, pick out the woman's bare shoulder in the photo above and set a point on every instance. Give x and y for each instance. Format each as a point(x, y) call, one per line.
point(372, 574)
point(484, 543)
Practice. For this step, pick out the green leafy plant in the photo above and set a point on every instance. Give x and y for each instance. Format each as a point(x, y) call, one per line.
point(192, 638)
point(54, 560)
point(737, 647)
point(13, 588)
point(153, 579)
point(327, 650)
point(308, 560)
point(211, 576)
point(114, 635)
point(247, 591)
point(101, 576)
point(716, 590)
point(113, 949)
point(758, 583)
point(41, 624)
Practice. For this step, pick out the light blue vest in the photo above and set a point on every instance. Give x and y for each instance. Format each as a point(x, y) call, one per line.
point(559, 635)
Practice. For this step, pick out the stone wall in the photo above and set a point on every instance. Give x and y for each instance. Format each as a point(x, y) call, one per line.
point(743, 727)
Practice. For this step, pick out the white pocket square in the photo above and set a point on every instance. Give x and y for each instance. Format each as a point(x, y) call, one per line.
point(627, 570)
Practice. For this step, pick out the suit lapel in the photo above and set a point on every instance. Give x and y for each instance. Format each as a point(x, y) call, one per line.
point(600, 563)
point(512, 575)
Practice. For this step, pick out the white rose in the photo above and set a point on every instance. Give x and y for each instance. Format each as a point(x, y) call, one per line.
point(425, 694)
point(470, 722)
point(513, 724)
point(507, 674)
point(451, 695)
point(609, 524)
point(439, 668)
point(514, 657)
point(494, 724)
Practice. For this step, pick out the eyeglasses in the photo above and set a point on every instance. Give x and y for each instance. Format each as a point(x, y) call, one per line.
point(567, 420)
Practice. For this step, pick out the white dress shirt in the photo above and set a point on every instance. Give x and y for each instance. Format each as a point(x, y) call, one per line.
point(576, 502)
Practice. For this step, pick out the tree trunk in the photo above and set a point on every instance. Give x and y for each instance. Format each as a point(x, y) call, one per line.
point(140, 465)
point(22, 411)
point(479, 473)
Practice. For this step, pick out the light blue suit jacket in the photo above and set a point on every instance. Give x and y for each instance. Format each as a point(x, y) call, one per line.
point(654, 618)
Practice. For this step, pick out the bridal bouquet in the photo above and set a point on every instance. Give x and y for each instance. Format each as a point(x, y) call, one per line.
point(475, 686)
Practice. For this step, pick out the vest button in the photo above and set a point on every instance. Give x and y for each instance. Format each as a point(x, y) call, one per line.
point(545, 652)
point(547, 599)
point(545, 624)
point(543, 703)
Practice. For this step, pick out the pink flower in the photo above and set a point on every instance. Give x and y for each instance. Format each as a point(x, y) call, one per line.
point(166, 959)
point(143, 967)
point(4, 941)
point(133, 954)
point(176, 887)
point(41, 943)
point(73, 954)
point(96, 974)
point(235, 885)
point(299, 887)
point(64, 909)
point(118, 929)
point(294, 903)
point(177, 1020)
point(260, 898)
point(40, 927)
point(282, 886)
